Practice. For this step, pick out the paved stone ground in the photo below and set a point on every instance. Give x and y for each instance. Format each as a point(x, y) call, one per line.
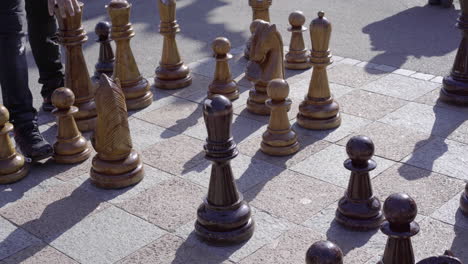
point(56, 216)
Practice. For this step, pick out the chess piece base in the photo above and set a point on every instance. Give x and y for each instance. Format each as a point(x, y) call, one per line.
point(73, 158)
point(172, 77)
point(359, 216)
point(86, 116)
point(319, 114)
point(279, 144)
point(464, 204)
point(117, 174)
point(319, 124)
point(454, 92)
point(227, 89)
point(257, 108)
point(224, 225)
point(137, 95)
point(297, 65)
point(15, 176)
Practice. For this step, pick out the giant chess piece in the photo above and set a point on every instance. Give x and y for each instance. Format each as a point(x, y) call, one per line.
point(319, 110)
point(359, 209)
point(116, 164)
point(72, 36)
point(400, 211)
point(70, 147)
point(259, 11)
point(134, 86)
point(13, 166)
point(279, 139)
point(447, 258)
point(455, 86)
point(223, 83)
point(106, 58)
point(324, 252)
point(266, 63)
point(464, 201)
point(223, 217)
point(297, 57)
point(171, 73)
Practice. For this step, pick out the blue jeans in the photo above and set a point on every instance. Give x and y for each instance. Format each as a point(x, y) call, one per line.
point(42, 29)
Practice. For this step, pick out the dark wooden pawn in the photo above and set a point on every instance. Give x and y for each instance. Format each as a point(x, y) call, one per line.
point(223, 83)
point(359, 209)
point(324, 252)
point(297, 57)
point(447, 258)
point(223, 217)
point(106, 58)
point(464, 201)
point(400, 211)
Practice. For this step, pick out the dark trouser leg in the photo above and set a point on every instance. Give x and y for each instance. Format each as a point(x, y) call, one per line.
point(13, 67)
point(42, 30)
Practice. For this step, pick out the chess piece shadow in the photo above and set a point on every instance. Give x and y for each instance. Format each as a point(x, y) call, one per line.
point(405, 35)
point(439, 130)
point(183, 124)
point(460, 241)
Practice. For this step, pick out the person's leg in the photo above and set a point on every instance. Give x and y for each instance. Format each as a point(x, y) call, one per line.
point(16, 95)
point(42, 30)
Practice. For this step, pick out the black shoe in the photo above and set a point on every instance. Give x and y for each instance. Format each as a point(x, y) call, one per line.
point(434, 2)
point(31, 143)
point(47, 105)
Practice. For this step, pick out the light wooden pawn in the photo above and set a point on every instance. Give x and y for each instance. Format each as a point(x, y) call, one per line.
point(297, 57)
point(223, 83)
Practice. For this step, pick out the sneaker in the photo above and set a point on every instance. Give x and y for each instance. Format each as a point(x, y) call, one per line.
point(31, 143)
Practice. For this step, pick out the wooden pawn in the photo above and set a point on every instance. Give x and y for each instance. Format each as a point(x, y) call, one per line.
point(106, 58)
point(324, 252)
point(223, 83)
point(297, 57)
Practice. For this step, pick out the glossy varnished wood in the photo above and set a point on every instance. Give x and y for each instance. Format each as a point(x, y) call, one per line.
point(106, 58)
point(297, 58)
point(222, 83)
point(260, 10)
point(324, 252)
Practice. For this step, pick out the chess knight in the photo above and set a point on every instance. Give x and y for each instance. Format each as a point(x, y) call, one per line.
point(116, 164)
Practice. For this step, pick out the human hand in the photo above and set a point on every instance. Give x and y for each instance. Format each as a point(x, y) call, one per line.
point(64, 6)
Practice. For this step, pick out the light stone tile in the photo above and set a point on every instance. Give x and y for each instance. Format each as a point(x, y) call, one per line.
point(160, 99)
point(369, 105)
point(403, 72)
point(290, 247)
point(349, 124)
point(294, 76)
point(299, 90)
point(64, 172)
point(168, 205)
point(336, 58)
point(293, 196)
point(174, 250)
point(357, 246)
point(366, 64)
point(145, 134)
point(349, 61)
point(206, 67)
point(422, 76)
point(201, 96)
point(427, 119)
point(353, 76)
point(40, 253)
point(197, 89)
point(242, 111)
point(14, 239)
point(385, 68)
point(442, 156)
point(267, 229)
point(106, 237)
point(176, 155)
point(390, 142)
point(247, 171)
point(432, 98)
point(399, 86)
point(327, 165)
point(450, 213)
point(437, 79)
point(430, 190)
point(308, 146)
point(435, 237)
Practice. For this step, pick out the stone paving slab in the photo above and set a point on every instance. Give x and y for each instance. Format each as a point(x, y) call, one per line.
point(40, 253)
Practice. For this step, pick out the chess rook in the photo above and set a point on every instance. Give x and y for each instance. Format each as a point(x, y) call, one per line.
point(455, 86)
point(266, 63)
point(70, 147)
point(223, 217)
point(359, 209)
point(106, 58)
point(279, 139)
point(324, 252)
point(297, 57)
point(171, 73)
point(464, 201)
point(260, 10)
point(223, 83)
point(400, 210)
point(72, 36)
point(134, 86)
point(319, 110)
point(13, 166)
point(116, 164)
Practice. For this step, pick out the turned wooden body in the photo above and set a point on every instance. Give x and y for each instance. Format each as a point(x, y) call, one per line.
point(106, 58)
point(260, 10)
point(70, 147)
point(266, 63)
point(223, 217)
point(13, 166)
point(171, 73)
point(222, 83)
point(279, 139)
point(319, 110)
point(134, 86)
point(297, 58)
point(455, 86)
point(116, 164)
point(72, 36)
point(359, 209)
